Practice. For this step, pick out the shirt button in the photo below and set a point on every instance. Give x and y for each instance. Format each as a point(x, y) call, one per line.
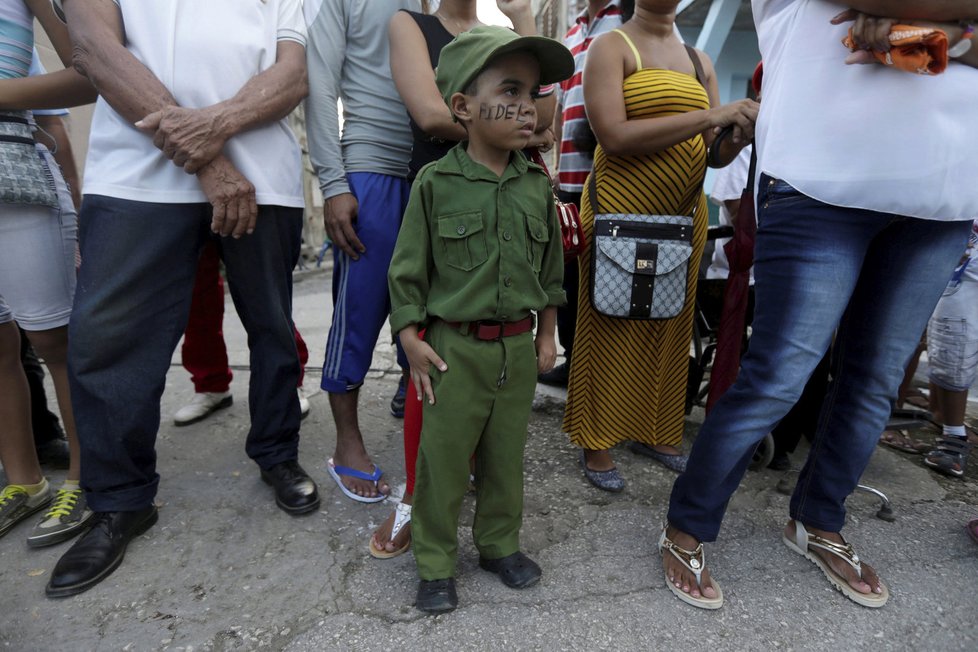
point(507, 236)
point(504, 317)
point(507, 281)
point(460, 229)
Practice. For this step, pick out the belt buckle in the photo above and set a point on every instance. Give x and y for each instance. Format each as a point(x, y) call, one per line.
point(486, 327)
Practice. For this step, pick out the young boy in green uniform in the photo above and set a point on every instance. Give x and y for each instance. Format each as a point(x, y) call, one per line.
point(479, 251)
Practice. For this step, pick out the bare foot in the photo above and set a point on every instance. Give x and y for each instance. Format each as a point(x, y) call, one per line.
point(381, 538)
point(869, 583)
point(598, 460)
point(681, 577)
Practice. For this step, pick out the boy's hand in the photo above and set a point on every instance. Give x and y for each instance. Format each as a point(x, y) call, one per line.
point(546, 352)
point(420, 356)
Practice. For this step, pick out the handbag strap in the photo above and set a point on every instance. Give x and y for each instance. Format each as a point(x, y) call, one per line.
point(697, 65)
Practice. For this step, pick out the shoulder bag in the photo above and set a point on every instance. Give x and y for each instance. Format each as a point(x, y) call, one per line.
point(24, 178)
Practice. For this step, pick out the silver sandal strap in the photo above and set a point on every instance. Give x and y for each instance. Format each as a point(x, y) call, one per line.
point(402, 516)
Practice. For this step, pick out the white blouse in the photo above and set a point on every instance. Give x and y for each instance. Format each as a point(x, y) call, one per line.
point(862, 136)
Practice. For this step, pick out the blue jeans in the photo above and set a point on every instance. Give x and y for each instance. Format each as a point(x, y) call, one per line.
point(875, 277)
point(131, 307)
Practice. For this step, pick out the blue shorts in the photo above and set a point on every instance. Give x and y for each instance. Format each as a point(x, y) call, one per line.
point(361, 302)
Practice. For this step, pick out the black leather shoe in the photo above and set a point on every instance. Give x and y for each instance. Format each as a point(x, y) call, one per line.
point(437, 596)
point(98, 552)
point(295, 492)
point(517, 571)
point(556, 377)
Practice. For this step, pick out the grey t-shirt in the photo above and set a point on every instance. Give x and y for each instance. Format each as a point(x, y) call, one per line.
point(349, 58)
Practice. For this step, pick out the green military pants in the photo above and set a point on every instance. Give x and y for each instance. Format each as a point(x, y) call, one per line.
point(482, 407)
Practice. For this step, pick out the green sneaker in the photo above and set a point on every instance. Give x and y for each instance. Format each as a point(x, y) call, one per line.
point(16, 504)
point(68, 516)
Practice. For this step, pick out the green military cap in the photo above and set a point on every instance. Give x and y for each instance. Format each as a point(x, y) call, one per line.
point(470, 52)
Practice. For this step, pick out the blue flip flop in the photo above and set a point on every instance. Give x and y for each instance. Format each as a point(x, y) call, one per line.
point(336, 471)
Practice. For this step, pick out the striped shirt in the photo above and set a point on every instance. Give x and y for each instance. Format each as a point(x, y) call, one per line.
point(16, 39)
point(575, 165)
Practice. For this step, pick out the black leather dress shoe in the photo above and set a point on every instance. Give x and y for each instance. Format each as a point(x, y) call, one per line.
point(98, 552)
point(559, 376)
point(437, 596)
point(517, 571)
point(295, 492)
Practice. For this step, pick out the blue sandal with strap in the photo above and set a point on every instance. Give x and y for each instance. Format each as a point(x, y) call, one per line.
point(336, 472)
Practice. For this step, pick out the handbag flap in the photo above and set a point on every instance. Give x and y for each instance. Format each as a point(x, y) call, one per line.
point(622, 252)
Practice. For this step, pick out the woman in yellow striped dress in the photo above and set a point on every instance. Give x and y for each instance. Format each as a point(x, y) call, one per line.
point(654, 122)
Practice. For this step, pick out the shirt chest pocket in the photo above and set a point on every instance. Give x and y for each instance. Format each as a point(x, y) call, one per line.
point(537, 237)
point(463, 240)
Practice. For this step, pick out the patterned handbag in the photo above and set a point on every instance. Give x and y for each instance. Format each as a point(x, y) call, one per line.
point(571, 231)
point(24, 178)
point(639, 263)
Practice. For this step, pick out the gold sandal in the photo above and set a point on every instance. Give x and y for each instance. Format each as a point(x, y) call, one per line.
point(695, 562)
point(803, 544)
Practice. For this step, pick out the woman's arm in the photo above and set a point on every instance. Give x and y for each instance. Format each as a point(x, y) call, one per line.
point(604, 74)
point(730, 146)
point(53, 27)
point(415, 81)
point(61, 89)
point(939, 10)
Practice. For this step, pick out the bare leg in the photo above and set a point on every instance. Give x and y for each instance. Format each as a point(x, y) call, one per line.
point(350, 450)
point(52, 347)
point(598, 460)
point(17, 443)
point(949, 405)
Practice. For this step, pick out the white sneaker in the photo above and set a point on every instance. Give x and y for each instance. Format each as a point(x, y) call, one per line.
point(202, 406)
point(303, 403)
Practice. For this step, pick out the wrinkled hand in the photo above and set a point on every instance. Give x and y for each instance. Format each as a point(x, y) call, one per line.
point(232, 197)
point(339, 216)
point(421, 356)
point(546, 352)
point(191, 138)
point(742, 114)
point(868, 32)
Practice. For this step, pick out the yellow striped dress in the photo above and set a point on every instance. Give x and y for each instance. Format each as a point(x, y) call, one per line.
point(628, 377)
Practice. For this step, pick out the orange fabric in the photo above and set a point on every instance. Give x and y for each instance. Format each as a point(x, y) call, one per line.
point(920, 50)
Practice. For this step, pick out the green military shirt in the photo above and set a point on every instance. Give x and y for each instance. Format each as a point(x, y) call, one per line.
point(474, 246)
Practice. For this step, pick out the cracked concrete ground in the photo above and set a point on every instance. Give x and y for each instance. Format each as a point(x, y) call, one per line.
point(224, 569)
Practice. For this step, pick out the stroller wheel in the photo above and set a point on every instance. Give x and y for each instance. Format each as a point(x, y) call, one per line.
point(763, 454)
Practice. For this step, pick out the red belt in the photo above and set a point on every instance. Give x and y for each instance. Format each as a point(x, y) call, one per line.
point(491, 331)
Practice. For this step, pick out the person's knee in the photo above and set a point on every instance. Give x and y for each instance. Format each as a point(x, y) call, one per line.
point(51, 345)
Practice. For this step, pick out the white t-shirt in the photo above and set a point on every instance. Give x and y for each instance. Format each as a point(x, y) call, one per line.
point(203, 51)
point(728, 184)
point(862, 136)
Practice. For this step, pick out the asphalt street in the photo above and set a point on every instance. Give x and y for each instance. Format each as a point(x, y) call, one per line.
point(224, 569)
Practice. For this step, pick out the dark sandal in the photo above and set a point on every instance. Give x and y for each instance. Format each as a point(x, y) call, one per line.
point(973, 529)
point(902, 441)
point(950, 457)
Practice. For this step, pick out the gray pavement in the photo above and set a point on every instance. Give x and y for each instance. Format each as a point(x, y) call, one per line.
point(226, 570)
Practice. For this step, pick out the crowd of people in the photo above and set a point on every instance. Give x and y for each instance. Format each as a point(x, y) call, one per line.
point(443, 221)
